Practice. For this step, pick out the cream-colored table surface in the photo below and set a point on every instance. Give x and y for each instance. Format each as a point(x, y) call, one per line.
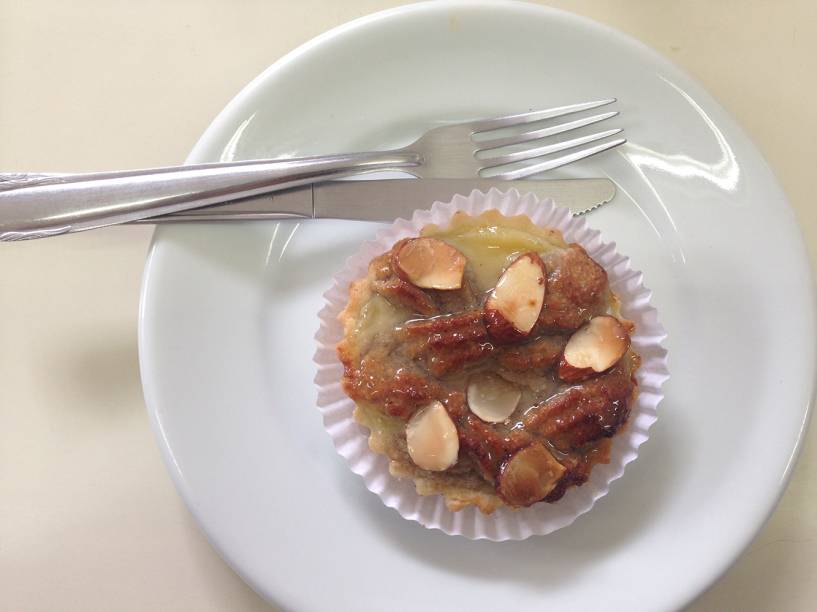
point(89, 519)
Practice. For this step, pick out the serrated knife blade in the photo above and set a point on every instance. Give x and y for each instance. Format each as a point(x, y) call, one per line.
point(388, 199)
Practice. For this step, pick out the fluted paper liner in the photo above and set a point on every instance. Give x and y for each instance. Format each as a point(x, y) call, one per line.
point(351, 439)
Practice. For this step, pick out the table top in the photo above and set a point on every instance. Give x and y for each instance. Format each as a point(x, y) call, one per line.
point(89, 518)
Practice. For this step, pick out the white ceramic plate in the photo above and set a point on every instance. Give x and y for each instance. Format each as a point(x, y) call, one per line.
point(229, 311)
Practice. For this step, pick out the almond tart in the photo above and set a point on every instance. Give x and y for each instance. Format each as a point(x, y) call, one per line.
point(488, 361)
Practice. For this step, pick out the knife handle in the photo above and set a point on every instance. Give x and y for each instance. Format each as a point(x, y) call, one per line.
point(37, 205)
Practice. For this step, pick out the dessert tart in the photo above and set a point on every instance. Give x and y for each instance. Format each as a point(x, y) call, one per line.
point(489, 361)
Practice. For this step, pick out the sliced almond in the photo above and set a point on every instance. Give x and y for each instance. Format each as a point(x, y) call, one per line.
point(597, 346)
point(529, 475)
point(429, 263)
point(432, 438)
point(514, 305)
point(491, 398)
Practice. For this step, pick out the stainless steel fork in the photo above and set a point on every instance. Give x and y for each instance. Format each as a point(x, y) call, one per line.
point(39, 205)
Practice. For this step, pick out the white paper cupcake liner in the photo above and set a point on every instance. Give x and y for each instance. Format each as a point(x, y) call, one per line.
point(351, 439)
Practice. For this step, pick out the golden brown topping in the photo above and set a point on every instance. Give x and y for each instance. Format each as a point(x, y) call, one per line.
point(443, 360)
point(448, 329)
point(584, 413)
point(514, 305)
point(406, 295)
point(487, 447)
point(579, 467)
point(529, 476)
point(595, 347)
point(432, 439)
point(455, 404)
point(457, 300)
point(577, 290)
point(399, 390)
point(429, 263)
point(447, 343)
point(492, 398)
point(380, 266)
point(535, 356)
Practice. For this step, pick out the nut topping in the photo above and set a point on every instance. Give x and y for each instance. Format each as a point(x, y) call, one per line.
point(595, 347)
point(491, 398)
point(513, 307)
point(432, 438)
point(529, 475)
point(429, 263)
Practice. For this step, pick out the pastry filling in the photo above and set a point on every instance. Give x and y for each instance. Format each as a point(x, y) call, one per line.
point(488, 361)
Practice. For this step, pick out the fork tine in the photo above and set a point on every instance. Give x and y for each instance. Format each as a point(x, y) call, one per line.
point(500, 160)
point(559, 161)
point(495, 143)
point(483, 125)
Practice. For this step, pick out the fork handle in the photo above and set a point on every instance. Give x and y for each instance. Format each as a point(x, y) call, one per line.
point(40, 205)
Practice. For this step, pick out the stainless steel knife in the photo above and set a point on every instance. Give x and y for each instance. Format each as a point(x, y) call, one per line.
point(386, 200)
